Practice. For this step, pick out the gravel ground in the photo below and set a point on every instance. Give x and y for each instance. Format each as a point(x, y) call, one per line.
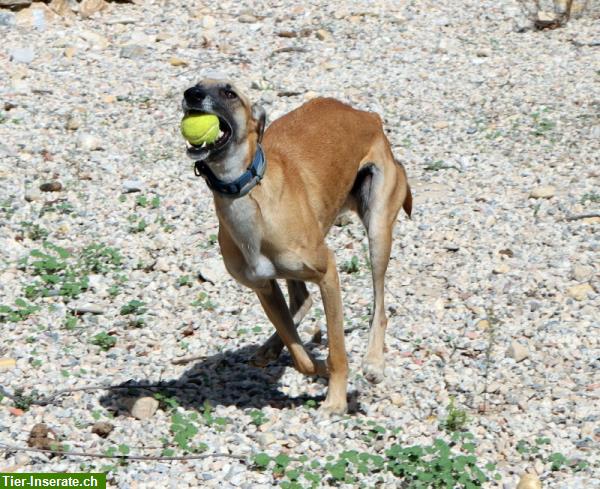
point(492, 288)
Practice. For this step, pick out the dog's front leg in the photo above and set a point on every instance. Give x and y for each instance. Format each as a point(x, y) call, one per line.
point(277, 311)
point(337, 361)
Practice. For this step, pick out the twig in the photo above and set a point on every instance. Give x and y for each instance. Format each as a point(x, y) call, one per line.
point(117, 457)
point(581, 216)
point(43, 401)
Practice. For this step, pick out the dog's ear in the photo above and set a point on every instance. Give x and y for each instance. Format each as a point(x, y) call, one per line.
point(259, 115)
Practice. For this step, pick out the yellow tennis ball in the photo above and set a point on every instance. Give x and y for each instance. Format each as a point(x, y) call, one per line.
point(200, 128)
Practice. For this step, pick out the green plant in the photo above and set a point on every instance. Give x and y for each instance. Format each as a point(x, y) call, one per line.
point(144, 201)
point(184, 428)
point(70, 322)
point(99, 258)
point(258, 417)
point(133, 307)
point(351, 266)
point(13, 315)
point(34, 232)
point(440, 465)
point(184, 281)
point(456, 419)
point(592, 196)
point(104, 341)
point(204, 302)
point(23, 401)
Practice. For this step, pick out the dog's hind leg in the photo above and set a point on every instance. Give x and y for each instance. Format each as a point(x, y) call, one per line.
point(377, 202)
point(300, 303)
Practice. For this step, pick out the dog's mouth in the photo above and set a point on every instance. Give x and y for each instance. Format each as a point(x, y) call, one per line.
point(203, 151)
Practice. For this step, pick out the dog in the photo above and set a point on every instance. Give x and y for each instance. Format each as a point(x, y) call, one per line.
point(278, 191)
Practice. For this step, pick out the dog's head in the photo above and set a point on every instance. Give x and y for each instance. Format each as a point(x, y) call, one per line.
point(239, 119)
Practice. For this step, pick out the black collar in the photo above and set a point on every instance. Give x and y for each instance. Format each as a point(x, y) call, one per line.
point(241, 185)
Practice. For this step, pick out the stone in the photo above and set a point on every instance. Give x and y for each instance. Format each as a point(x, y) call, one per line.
point(62, 8)
point(212, 271)
point(87, 8)
point(543, 192)
point(88, 142)
point(580, 292)
point(22, 55)
point(33, 195)
point(130, 186)
point(529, 481)
point(517, 351)
point(41, 437)
point(323, 35)
point(142, 407)
point(96, 41)
point(162, 265)
point(133, 51)
point(267, 438)
point(14, 3)
point(397, 399)
point(247, 19)
point(73, 121)
point(174, 61)
point(501, 269)
point(54, 186)
point(86, 308)
point(7, 364)
point(102, 428)
point(37, 16)
point(7, 19)
point(582, 273)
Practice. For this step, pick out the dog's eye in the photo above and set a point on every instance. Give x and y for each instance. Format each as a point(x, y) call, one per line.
point(228, 94)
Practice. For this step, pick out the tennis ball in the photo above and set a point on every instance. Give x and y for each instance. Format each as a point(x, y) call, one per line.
point(200, 128)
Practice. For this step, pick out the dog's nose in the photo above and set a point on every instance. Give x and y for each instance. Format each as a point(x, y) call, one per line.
point(194, 95)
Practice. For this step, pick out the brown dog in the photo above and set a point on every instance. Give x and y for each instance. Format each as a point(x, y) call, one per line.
point(276, 198)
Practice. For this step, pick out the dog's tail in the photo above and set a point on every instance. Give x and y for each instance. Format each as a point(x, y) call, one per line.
point(407, 204)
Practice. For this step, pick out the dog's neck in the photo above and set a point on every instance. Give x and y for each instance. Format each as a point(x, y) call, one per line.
point(237, 161)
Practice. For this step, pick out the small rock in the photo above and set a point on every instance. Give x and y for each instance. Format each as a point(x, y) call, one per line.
point(7, 364)
point(61, 7)
point(54, 186)
point(582, 273)
point(16, 411)
point(529, 481)
point(162, 265)
point(95, 40)
point(22, 55)
point(87, 8)
point(247, 19)
point(41, 437)
point(500, 269)
point(580, 292)
point(517, 351)
point(130, 186)
point(7, 19)
point(483, 324)
point(545, 17)
point(102, 428)
point(440, 124)
point(323, 35)
point(15, 3)
point(397, 399)
point(86, 308)
point(88, 142)
point(213, 271)
point(208, 22)
point(73, 121)
point(142, 407)
point(178, 62)
point(33, 194)
point(133, 51)
point(543, 192)
point(266, 439)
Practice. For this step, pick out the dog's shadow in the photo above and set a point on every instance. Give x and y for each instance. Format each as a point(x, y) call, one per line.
point(226, 379)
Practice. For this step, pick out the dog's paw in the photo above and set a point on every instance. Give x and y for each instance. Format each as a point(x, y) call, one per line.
point(331, 408)
point(265, 355)
point(373, 372)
